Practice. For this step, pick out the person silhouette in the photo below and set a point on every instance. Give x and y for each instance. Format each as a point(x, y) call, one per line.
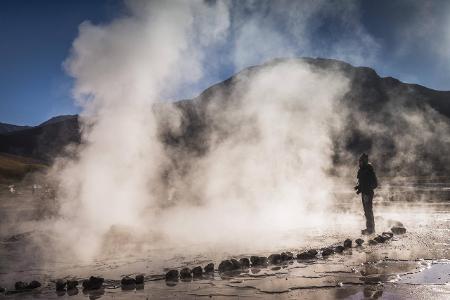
point(367, 182)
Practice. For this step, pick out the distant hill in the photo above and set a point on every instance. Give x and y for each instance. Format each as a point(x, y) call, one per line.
point(403, 126)
point(377, 101)
point(7, 128)
point(13, 167)
point(42, 142)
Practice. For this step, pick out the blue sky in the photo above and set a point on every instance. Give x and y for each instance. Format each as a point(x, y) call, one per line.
point(409, 40)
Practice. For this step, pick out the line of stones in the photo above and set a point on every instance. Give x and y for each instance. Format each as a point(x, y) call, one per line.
point(229, 265)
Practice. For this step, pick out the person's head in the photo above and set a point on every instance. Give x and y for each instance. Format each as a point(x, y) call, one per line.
point(363, 159)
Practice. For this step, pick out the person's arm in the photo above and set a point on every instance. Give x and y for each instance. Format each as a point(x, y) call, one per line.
point(374, 179)
point(357, 185)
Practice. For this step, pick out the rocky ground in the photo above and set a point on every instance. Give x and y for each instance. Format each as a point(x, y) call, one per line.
point(413, 265)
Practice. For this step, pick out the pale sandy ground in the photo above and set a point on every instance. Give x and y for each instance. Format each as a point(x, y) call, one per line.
point(411, 266)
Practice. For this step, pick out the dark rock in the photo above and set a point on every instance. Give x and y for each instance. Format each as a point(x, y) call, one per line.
point(185, 273)
point(255, 260)
point(305, 255)
point(339, 249)
point(372, 242)
point(209, 268)
point(72, 292)
point(61, 285)
point(275, 258)
point(128, 281)
point(34, 285)
point(20, 286)
point(359, 242)
point(245, 262)
point(236, 264)
point(287, 256)
point(197, 272)
point(172, 275)
point(313, 252)
point(379, 239)
point(327, 251)
point(387, 235)
point(263, 260)
point(348, 243)
point(398, 230)
point(72, 284)
point(139, 279)
point(225, 266)
point(93, 283)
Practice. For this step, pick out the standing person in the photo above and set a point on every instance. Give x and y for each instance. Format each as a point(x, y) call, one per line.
point(367, 182)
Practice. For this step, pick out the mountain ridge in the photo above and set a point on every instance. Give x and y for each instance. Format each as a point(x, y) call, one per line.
point(368, 93)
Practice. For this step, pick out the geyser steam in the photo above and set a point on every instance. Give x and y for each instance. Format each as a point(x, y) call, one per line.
point(266, 165)
point(121, 69)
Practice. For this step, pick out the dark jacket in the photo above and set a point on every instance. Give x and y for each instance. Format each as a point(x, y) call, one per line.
point(367, 180)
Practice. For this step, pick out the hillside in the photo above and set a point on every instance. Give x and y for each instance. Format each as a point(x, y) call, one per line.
point(406, 136)
point(13, 167)
point(42, 142)
point(7, 128)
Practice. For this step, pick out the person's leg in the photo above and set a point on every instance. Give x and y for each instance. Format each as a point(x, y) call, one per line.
point(368, 211)
point(364, 202)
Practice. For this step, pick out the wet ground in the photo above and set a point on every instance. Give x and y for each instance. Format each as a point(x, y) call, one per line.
point(415, 265)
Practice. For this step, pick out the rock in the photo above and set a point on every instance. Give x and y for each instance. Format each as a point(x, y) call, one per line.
point(372, 242)
point(172, 275)
point(348, 243)
point(379, 239)
point(313, 252)
point(20, 286)
point(72, 284)
point(34, 285)
point(258, 260)
point(225, 266)
point(387, 235)
point(93, 283)
point(197, 272)
point(209, 268)
point(2, 289)
point(287, 256)
point(139, 279)
point(339, 249)
point(61, 285)
point(359, 242)
point(73, 292)
point(128, 281)
point(185, 273)
point(236, 264)
point(275, 258)
point(306, 255)
point(398, 230)
point(327, 251)
point(245, 262)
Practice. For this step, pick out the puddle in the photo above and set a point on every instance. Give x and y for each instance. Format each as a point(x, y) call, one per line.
point(436, 273)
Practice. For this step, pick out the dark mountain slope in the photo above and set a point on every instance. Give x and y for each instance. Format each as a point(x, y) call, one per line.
point(6, 128)
point(42, 142)
point(384, 117)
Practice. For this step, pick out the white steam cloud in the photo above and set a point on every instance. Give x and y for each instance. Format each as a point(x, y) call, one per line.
point(121, 69)
point(265, 174)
